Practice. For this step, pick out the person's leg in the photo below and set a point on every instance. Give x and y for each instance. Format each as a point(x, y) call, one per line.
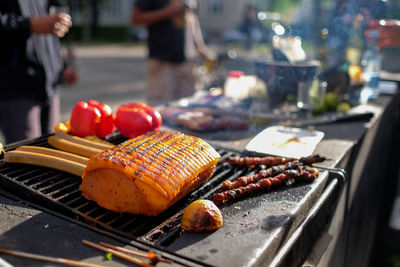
point(20, 119)
point(186, 79)
point(161, 83)
point(50, 115)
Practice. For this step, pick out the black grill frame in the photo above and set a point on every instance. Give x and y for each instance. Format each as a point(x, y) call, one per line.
point(44, 189)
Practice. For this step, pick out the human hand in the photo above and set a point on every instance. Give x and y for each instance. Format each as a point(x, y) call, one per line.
point(389, 32)
point(207, 54)
point(69, 76)
point(174, 9)
point(57, 24)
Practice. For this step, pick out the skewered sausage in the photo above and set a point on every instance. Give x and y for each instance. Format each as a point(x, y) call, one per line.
point(272, 171)
point(270, 160)
point(308, 174)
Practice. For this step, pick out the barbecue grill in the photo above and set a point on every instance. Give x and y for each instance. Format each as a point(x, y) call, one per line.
point(277, 227)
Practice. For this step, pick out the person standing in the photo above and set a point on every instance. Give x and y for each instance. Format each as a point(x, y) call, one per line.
point(174, 41)
point(31, 67)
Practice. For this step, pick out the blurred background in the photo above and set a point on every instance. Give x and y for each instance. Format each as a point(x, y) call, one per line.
point(110, 54)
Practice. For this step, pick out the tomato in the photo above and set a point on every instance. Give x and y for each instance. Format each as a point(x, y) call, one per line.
point(134, 119)
point(92, 118)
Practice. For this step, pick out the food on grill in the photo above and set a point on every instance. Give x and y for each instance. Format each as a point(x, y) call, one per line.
point(90, 141)
point(307, 174)
point(270, 172)
point(201, 216)
point(54, 152)
point(47, 157)
point(149, 173)
point(92, 118)
point(63, 127)
point(134, 119)
point(271, 161)
point(73, 146)
point(72, 156)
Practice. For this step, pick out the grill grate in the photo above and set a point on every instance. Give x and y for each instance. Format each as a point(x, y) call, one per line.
point(60, 192)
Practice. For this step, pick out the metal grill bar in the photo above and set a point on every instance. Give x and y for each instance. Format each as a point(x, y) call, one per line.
point(61, 193)
point(128, 222)
point(50, 184)
point(34, 179)
point(79, 198)
point(22, 173)
point(103, 214)
point(92, 209)
point(116, 219)
point(83, 206)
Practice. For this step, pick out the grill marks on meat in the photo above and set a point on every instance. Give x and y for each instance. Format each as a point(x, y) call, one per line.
point(308, 174)
point(271, 161)
point(149, 173)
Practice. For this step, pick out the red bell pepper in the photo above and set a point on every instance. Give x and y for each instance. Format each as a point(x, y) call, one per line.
point(134, 119)
point(92, 118)
point(106, 120)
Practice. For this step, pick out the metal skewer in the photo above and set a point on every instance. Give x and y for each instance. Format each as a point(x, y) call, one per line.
point(49, 259)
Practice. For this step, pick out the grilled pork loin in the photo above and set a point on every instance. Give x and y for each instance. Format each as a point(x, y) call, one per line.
point(149, 173)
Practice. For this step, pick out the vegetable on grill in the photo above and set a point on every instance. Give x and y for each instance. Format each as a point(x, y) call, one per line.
point(134, 119)
point(91, 118)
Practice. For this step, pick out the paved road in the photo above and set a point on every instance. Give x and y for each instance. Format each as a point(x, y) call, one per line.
point(110, 73)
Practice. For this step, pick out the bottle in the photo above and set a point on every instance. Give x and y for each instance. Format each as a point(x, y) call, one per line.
point(233, 86)
point(371, 64)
